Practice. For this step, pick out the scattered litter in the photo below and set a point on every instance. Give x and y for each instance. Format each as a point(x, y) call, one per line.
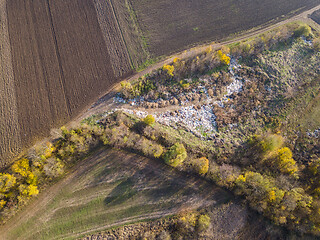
point(198, 120)
point(314, 134)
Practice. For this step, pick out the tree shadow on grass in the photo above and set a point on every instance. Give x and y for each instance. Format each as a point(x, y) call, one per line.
point(121, 193)
point(157, 183)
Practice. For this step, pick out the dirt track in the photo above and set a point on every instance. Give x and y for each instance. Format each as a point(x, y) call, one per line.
point(169, 191)
point(105, 102)
point(171, 26)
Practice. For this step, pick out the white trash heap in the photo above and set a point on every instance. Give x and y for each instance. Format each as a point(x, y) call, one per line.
point(314, 134)
point(199, 120)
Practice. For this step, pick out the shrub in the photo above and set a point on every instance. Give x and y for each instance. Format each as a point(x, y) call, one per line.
point(176, 155)
point(149, 120)
point(150, 149)
point(285, 161)
point(21, 167)
point(164, 235)
point(187, 221)
point(169, 69)
point(203, 223)
point(157, 150)
point(303, 30)
point(316, 44)
point(208, 50)
point(28, 191)
point(2, 203)
point(271, 143)
point(7, 182)
point(224, 59)
point(253, 185)
point(201, 165)
point(176, 59)
point(184, 85)
point(224, 175)
point(53, 167)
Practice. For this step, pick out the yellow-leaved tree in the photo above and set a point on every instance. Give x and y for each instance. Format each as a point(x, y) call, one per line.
point(7, 183)
point(224, 59)
point(169, 69)
point(149, 120)
point(201, 165)
point(285, 161)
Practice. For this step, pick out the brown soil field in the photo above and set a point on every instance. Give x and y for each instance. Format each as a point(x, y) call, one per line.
point(119, 55)
point(122, 34)
point(83, 53)
point(9, 125)
point(38, 80)
point(169, 26)
point(135, 42)
point(315, 16)
point(61, 64)
point(66, 54)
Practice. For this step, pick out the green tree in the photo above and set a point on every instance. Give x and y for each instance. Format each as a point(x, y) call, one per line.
point(271, 142)
point(176, 155)
point(303, 30)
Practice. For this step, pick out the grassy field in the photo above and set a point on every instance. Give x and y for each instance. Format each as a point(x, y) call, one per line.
point(295, 71)
point(169, 26)
point(110, 189)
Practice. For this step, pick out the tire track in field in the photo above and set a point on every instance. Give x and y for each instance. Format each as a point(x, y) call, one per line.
point(121, 33)
point(10, 141)
point(113, 36)
point(62, 78)
point(196, 193)
point(35, 66)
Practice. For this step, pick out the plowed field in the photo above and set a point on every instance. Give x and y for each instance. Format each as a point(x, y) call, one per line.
point(120, 58)
point(316, 16)
point(61, 64)
point(9, 126)
point(58, 56)
point(169, 26)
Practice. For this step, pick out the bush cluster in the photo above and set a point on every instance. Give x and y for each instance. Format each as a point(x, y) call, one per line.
point(171, 77)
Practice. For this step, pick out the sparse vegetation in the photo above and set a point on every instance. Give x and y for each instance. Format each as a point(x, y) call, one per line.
point(255, 152)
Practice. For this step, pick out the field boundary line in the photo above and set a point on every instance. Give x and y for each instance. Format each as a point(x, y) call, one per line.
point(104, 103)
point(62, 77)
point(121, 33)
point(43, 72)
